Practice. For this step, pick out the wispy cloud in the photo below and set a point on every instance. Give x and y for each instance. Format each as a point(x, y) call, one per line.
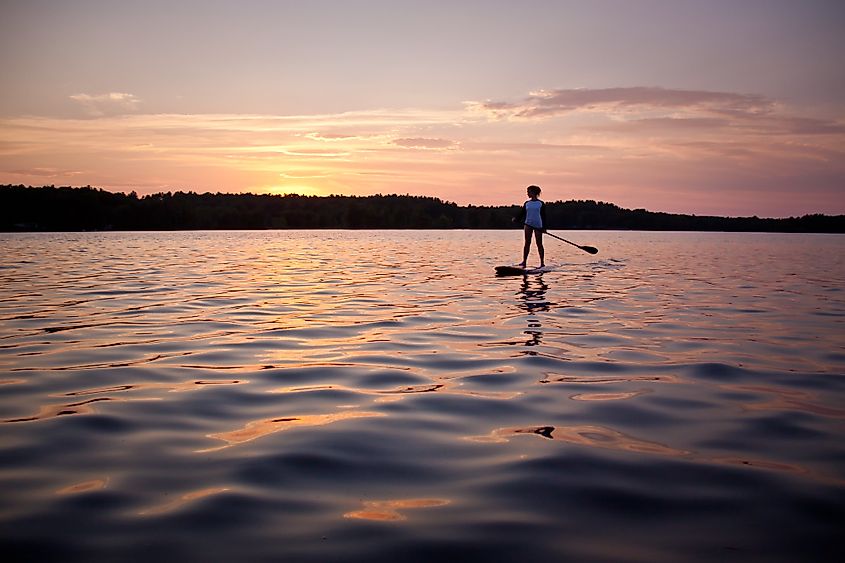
point(422, 143)
point(549, 103)
point(45, 172)
point(332, 137)
point(295, 175)
point(791, 125)
point(637, 146)
point(113, 103)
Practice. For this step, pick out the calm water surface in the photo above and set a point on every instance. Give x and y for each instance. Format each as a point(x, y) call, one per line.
point(382, 396)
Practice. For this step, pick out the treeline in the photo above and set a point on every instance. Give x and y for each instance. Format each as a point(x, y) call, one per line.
point(50, 208)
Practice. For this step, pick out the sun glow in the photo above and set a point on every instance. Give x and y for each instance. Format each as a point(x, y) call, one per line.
point(666, 150)
point(289, 189)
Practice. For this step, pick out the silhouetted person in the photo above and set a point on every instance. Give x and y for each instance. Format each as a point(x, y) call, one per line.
point(533, 217)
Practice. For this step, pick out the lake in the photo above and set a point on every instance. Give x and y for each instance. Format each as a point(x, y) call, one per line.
point(382, 396)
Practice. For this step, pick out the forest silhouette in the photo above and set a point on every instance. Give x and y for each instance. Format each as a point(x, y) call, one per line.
point(50, 208)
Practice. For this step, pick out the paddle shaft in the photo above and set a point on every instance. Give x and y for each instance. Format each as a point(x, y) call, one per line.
point(589, 249)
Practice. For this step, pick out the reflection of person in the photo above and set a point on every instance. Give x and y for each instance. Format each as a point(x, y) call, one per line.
point(532, 292)
point(533, 217)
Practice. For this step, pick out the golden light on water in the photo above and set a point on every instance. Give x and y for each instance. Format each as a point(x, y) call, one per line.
point(83, 487)
point(259, 428)
point(587, 435)
point(378, 395)
point(389, 510)
point(183, 500)
point(607, 396)
point(253, 393)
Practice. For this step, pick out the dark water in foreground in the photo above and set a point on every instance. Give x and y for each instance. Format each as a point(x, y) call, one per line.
point(381, 396)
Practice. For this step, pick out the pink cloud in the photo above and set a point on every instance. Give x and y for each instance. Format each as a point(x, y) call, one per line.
point(548, 103)
point(421, 143)
point(788, 125)
point(705, 152)
point(330, 137)
point(485, 146)
point(45, 172)
point(113, 103)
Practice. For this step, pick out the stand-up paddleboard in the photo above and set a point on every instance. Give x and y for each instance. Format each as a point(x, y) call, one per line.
point(519, 270)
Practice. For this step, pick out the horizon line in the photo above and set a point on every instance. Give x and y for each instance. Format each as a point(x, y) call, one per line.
point(444, 201)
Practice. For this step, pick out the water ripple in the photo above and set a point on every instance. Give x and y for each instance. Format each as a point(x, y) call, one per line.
point(382, 396)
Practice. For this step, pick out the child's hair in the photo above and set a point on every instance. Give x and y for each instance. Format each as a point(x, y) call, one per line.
point(534, 190)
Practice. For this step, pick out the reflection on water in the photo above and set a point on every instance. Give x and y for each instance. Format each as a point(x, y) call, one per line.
point(532, 293)
point(389, 509)
point(595, 436)
point(183, 500)
point(258, 428)
point(84, 487)
point(607, 396)
point(786, 400)
point(532, 300)
point(252, 396)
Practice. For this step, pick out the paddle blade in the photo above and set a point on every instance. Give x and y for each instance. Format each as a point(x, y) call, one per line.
point(590, 249)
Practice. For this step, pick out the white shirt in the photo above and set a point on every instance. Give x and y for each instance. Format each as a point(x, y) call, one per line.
point(532, 213)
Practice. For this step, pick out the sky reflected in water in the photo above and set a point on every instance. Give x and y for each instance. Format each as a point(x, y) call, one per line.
point(365, 395)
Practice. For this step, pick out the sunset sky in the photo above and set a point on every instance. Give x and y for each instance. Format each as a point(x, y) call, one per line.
point(728, 107)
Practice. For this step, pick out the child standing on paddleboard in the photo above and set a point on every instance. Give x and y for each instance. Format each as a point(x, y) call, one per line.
point(533, 216)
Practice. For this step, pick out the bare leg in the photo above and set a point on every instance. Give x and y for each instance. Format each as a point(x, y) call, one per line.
point(538, 234)
point(527, 248)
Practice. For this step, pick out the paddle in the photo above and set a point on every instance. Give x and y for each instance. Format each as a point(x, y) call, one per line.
point(590, 249)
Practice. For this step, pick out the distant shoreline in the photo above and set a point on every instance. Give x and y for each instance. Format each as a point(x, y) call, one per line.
point(72, 209)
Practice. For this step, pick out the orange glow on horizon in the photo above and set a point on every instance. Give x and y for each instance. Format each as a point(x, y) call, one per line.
point(715, 154)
